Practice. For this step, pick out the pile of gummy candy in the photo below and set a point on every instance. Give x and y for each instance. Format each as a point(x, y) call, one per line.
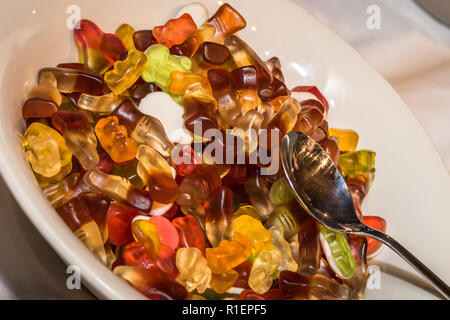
point(190, 229)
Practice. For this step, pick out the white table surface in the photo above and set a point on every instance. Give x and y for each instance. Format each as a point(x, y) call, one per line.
point(411, 50)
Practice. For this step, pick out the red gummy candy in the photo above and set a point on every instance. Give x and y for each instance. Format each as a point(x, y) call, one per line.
point(378, 223)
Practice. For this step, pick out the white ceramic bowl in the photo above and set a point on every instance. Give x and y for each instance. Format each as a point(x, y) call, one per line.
point(411, 188)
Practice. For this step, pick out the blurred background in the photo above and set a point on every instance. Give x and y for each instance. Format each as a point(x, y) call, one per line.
point(406, 41)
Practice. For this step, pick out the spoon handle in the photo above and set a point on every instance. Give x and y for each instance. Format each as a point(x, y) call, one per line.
point(440, 285)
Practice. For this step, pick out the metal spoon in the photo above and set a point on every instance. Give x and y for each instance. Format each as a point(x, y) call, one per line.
point(321, 190)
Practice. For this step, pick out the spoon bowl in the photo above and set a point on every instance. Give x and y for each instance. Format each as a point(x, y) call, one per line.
point(321, 190)
point(317, 183)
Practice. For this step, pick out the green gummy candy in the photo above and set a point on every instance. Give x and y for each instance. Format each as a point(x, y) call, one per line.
point(357, 163)
point(162, 64)
point(280, 192)
point(339, 253)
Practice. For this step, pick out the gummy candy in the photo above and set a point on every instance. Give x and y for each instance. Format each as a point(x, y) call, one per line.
point(71, 65)
point(190, 233)
point(205, 32)
point(358, 164)
point(194, 271)
point(277, 93)
point(285, 119)
point(160, 238)
point(254, 230)
point(267, 110)
point(244, 56)
point(246, 128)
point(211, 55)
point(244, 81)
point(288, 218)
point(46, 151)
point(221, 282)
point(195, 187)
point(135, 255)
point(274, 65)
point(118, 220)
point(144, 129)
point(56, 192)
point(119, 189)
point(227, 98)
point(219, 218)
point(265, 265)
point(162, 64)
point(44, 99)
point(224, 22)
point(236, 176)
point(331, 147)
point(227, 21)
point(199, 109)
point(185, 161)
point(129, 172)
point(317, 287)
point(152, 283)
point(337, 250)
point(77, 216)
point(79, 188)
point(286, 261)
point(98, 206)
point(72, 80)
point(114, 140)
point(180, 81)
point(156, 172)
point(280, 192)
point(143, 39)
point(98, 50)
point(313, 90)
point(258, 192)
point(127, 72)
point(79, 137)
point(105, 104)
point(125, 33)
point(348, 139)
point(309, 251)
point(229, 254)
point(273, 294)
point(175, 31)
point(358, 246)
point(311, 119)
point(378, 223)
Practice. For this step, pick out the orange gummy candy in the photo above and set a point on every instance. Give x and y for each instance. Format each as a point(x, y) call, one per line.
point(114, 139)
point(180, 81)
point(175, 31)
point(229, 254)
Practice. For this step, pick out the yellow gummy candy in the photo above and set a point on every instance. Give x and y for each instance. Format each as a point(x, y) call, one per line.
point(126, 73)
point(358, 164)
point(286, 261)
point(254, 230)
point(45, 150)
point(194, 271)
point(125, 32)
point(265, 265)
point(347, 139)
point(221, 282)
